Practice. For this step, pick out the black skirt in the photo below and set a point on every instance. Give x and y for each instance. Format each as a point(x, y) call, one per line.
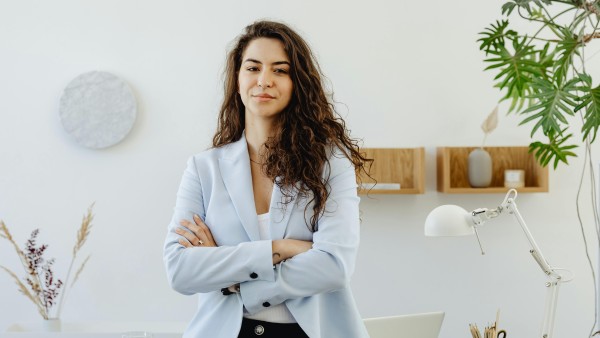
point(257, 328)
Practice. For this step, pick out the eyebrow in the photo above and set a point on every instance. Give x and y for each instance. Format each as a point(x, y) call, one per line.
point(274, 63)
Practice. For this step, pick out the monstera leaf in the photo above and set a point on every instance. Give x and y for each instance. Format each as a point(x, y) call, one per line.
point(517, 66)
point(494, 36)
point(566, 49)
point(554, 149)
point(591, 104)
point(553, 102)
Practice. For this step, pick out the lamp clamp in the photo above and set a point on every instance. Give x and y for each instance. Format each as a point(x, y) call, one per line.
point(482, 215)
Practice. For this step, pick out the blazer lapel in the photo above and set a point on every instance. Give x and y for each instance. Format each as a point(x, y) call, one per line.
point(234, 165)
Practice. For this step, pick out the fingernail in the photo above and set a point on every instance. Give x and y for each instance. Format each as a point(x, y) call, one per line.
point(196, 216)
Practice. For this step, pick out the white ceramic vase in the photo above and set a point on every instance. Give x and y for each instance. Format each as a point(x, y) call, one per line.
point(51, 325)
point(480, 168)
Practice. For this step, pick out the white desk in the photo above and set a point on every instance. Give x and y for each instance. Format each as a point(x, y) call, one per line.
point(95, 330)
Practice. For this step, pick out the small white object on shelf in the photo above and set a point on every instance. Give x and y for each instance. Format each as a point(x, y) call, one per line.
point(514, 178)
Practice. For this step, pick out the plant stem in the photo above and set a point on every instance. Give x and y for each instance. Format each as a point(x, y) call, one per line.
point(546, 23)
point(547, 13)
point(26, 292)
point(587, 160)
point(592, 23)
point(588, 37)
point(577, 21)
point(531, 37)
point(82, 235)
point(564, 2)
point(65, 287)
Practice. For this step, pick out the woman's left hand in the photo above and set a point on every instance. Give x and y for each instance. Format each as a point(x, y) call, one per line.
point(199, 234)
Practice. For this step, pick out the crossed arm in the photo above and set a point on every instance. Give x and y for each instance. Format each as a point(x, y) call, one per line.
point(200, 234)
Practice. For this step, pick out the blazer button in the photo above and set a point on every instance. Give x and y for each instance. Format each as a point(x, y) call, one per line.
point(253, 275)
point(266, 304)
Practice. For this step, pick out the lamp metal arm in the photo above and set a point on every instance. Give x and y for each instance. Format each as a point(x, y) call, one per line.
point(535, 251)
point(555, 279)
point(482, 215)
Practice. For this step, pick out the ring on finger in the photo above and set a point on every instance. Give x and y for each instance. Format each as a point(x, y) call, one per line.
point(200, 242)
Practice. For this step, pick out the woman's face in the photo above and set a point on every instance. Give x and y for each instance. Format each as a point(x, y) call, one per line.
point(264, 81)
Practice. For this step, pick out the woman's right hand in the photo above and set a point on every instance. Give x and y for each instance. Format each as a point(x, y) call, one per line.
point(287, 248)
point(199, 234)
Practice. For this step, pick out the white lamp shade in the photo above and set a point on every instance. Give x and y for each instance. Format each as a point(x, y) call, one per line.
point(449, 220)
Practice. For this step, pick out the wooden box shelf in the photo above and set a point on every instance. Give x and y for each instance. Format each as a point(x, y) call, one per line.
point(396, 166)
point(452, 167)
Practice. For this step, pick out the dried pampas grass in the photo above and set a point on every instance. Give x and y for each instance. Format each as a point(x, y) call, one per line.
point(84, 230)
point(490, 123)
point(37, 268)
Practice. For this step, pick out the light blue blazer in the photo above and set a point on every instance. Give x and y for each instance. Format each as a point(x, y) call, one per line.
point(314, 285)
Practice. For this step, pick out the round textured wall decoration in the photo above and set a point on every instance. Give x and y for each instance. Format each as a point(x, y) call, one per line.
point(98, 109)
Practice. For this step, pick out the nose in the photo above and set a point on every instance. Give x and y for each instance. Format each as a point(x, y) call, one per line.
point(265, 80)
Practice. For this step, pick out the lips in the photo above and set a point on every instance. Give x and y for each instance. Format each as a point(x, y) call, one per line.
point(264, 96)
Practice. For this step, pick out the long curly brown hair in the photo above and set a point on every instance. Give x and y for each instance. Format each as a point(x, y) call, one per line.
point(306, 130)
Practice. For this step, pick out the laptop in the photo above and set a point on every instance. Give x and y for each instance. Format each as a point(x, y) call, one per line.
point(420, 325)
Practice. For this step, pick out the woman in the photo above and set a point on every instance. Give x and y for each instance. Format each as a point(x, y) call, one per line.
point(266, 223)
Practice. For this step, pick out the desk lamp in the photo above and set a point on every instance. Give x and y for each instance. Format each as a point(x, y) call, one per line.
point(452, 220)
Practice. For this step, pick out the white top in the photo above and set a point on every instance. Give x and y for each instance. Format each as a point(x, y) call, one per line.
point(263, 226)
point(278, 313)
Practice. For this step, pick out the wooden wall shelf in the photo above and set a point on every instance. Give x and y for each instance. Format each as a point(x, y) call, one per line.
point(393, 166)
point(452, 166)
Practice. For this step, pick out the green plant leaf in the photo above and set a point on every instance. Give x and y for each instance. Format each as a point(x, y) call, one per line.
point(554, 149)
point(516, 69)
point(546, 57)
point(508, 7)
point(552, 104)
point(524, 4)
point(566, 48)
point(493, 36)
point(518, 101)
point(537, 14)
point(591, 104)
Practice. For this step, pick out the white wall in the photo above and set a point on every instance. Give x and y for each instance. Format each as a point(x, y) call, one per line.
point(409, 74)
